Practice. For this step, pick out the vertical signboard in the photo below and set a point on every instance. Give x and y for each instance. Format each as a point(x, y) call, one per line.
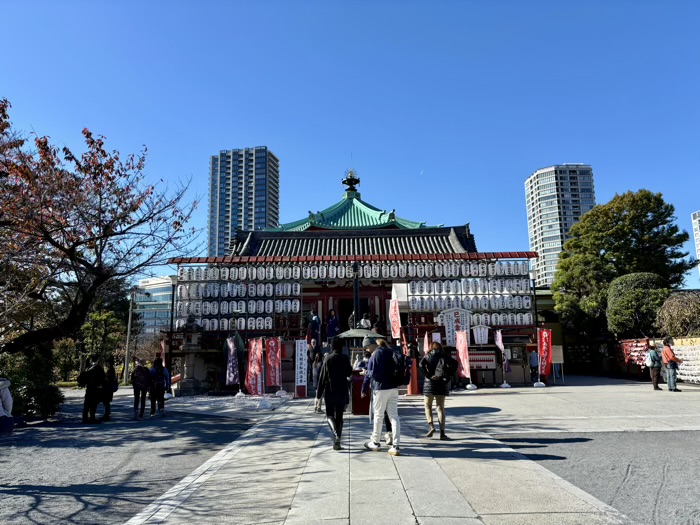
point(455, 320)
point(301, 370)
point(253, 380)
point(232, 364)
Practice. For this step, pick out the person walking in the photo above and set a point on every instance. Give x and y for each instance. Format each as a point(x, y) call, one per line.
point(333, 387)
point(316, 371)
point(7, 422)
point(110, 387)
point(158, 386)
point(435, 365)
point(655, 367)
point(385, 395)
point(669, 358)
point(141, 381)
point(94, 380)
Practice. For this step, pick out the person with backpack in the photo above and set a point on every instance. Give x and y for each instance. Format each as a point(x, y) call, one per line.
point(159, 383)
point(141, 381)
point(383, 369)
point(653, 362)
point(110, 387)
point(93, 379)
point(438, 368)
point(333, 387)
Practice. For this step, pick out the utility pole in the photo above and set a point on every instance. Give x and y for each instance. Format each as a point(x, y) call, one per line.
point(127, 355)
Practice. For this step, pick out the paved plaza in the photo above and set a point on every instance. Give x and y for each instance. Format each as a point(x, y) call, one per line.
point(561, 455)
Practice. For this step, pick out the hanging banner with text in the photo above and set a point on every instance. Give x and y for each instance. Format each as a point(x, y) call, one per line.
point(272, 375)
point(232, 364)
point(301, 368)
point(544, 343)
point(462, 344)
point(253, 380)
point(395, 318)
point(426, 344)
point(455, 320)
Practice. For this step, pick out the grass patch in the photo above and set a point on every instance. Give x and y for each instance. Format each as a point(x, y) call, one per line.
point(67, 384)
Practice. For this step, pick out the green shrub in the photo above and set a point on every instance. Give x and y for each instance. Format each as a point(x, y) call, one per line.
point(633, 303)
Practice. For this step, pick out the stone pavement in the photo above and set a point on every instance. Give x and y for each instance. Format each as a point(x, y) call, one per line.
point(283, 470)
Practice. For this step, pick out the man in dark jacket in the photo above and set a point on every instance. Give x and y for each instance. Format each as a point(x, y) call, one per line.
point(333, 385)
point(93, 379)
point(435, 387)
point(111, 385)
point(141, 381)
point(385, 395)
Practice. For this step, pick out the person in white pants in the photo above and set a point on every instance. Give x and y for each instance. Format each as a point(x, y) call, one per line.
point(385, 395)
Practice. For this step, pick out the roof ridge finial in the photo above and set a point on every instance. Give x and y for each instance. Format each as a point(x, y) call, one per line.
point(351, 179)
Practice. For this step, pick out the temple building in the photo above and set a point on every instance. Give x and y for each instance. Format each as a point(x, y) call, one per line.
point(271, 280)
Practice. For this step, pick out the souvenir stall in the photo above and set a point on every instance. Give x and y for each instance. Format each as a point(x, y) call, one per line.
point(274, 281)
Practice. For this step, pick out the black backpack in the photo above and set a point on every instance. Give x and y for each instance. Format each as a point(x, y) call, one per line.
point(446, 368)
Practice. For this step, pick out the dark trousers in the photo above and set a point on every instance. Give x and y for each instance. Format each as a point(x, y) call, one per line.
point(157, 394)
point(107, 401)
point(139, 398)
point(655, 376)
point(533, 373)
point(334, 412)
point(93, 396)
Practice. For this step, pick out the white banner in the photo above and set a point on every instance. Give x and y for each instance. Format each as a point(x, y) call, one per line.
point(301, 362)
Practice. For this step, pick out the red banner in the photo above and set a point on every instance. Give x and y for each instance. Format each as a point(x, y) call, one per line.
point(395, 318)
point(272, 374)
point(544, 345)
point(252, 377)
point(463, 368)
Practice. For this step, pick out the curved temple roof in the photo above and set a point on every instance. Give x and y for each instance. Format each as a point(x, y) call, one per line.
point(350, 213)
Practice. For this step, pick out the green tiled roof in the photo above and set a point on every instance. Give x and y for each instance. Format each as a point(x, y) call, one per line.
point(351, 213)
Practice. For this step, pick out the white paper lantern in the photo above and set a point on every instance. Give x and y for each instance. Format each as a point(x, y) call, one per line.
point(438, 271)
point(251, 323)
point(223, 325)
point(205, 325)
point(224, 308)
point(240, 323)
point(241, 307)
point(279, 273)
point(403, 270)
point(252, 290)
point(268, 323)
point(252, 307)
point(287, 289)
point(205, 308)
point(278, 306)
point(341, 272)
point(296, 272)
point(260, 306)
point(242, 273)
point(269, 306)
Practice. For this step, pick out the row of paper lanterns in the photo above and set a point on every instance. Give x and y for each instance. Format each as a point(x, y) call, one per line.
point(197, 308)
point(387, 270)
point(224, 290)
point(252, 323)
point(494, 302)
point(465, 286)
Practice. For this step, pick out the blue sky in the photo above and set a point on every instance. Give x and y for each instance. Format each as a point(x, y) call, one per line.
point(444, 108)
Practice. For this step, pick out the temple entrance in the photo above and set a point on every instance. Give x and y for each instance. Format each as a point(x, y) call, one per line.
point(344, 310)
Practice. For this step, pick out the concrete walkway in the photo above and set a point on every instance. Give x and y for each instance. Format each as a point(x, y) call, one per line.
point(283, 471)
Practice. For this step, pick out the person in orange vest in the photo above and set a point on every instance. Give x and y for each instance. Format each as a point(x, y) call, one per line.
point(669, 358)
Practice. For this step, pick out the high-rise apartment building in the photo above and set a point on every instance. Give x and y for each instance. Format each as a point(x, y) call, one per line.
point(696, 233)
point(556, 198)
point(244, 194)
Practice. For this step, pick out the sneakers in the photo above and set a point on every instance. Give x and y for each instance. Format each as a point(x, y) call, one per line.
point(388, 438)
point(431, 431)
point(336, 445)
point(371, 445)
point(161, 413)
point(394, 451)
point(444, 437)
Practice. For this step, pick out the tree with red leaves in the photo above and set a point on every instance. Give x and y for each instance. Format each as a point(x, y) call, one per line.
point(69, 226)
